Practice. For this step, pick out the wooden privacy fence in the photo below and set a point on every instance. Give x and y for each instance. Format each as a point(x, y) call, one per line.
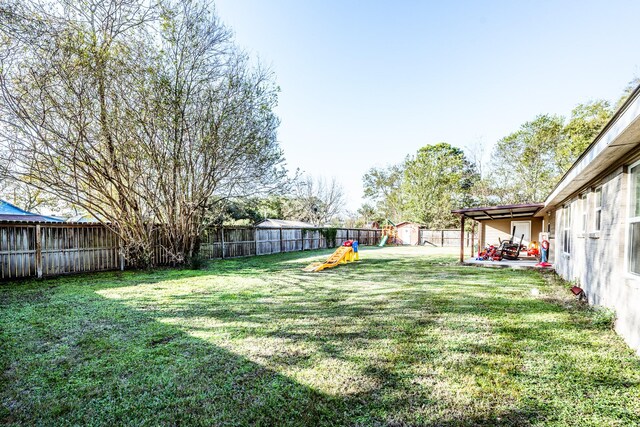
point(444, 237)
point(28, 250)
point(233, 242)
point(51, 249)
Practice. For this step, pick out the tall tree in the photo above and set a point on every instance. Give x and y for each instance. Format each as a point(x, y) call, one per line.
point(383, 186)
point(317, 200)
point(524, 164)
point(367, 214)
point(34, 199)
point(482, 192)
point(436, 180)
point(146, 116)
point(629, 88)
point(585, 123)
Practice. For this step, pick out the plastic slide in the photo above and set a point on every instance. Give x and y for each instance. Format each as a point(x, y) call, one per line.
point(383, 241)
point(342, 255)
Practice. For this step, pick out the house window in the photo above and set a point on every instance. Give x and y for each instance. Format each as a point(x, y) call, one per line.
point(566, 229)
point(598, 209)
point(585, 209)
point(634, 220)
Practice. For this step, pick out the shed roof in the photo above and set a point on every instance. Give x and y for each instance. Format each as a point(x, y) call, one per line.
point(9, 212)
point(283, 223)
point(523, 210)
point(85, 218)
point(404, 223)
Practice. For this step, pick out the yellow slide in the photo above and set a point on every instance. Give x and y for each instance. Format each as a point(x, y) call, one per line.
point(342, 255)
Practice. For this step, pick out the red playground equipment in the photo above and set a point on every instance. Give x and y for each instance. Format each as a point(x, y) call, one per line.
point(534, 249)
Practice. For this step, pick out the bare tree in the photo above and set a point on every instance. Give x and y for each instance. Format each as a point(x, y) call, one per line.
point(147, 117)
point(483, 192)
point(317, 200)
point(33, 199)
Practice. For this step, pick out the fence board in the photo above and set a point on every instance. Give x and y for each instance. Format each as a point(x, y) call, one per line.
point(447, 238)
point(73, 249)
point(45, 249)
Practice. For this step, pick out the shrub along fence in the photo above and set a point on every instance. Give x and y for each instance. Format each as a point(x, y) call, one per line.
point(52, 249)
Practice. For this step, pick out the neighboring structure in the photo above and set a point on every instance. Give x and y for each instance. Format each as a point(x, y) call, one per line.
point(408, 233)
point(9, 212)
point(283, 223)
point(84, 219)
point(593, 220)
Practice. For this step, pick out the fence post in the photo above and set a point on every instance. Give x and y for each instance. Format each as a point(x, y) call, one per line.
point(222, 240)
point(255, 240)
point(441, 238)
point(121, 253)
point(38, 252)
point(281, 241)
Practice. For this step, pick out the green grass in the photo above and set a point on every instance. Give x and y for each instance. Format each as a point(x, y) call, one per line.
point(405, 337)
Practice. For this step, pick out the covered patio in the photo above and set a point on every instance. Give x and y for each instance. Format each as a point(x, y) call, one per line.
point(499, 223)
point(524, 263)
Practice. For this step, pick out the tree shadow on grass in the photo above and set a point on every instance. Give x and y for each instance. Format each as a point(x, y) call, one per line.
point(101, 363)
point(96, 361)
point(72, 356)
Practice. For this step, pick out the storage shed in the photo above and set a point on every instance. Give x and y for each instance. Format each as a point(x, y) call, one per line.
point(408, 233)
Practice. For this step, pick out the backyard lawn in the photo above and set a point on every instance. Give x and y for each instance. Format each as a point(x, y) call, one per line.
point(404, 337)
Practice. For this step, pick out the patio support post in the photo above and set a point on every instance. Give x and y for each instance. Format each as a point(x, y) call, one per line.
point(473, 237)
point(461, 238)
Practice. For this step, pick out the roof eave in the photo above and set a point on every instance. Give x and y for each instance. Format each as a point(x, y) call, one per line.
point(518, 211)
point(619, 137)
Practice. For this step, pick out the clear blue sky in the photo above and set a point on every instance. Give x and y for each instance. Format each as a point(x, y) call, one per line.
point(365, 83)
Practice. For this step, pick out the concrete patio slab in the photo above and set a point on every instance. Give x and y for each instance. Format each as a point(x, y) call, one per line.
point(524, 263)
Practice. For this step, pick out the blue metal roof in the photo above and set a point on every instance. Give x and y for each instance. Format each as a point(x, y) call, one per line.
point(9, 212)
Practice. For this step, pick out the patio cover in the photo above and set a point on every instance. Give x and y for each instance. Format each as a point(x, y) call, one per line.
point(524, 210)
point(500, 212)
